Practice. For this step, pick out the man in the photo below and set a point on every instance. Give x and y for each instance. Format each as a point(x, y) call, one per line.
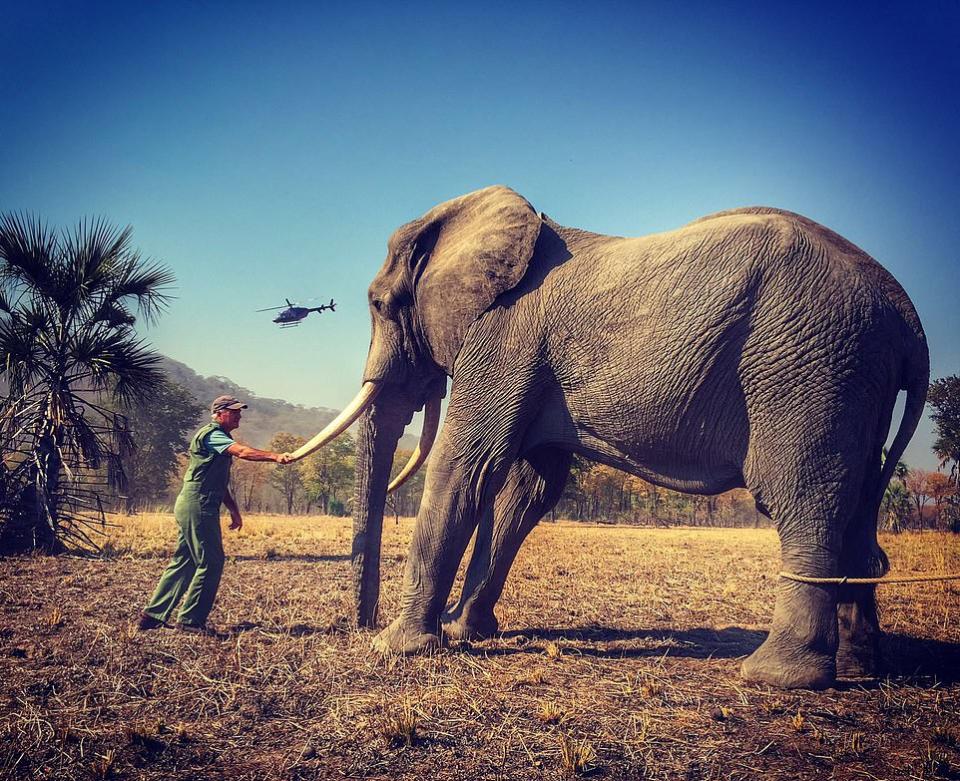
point(197, 564)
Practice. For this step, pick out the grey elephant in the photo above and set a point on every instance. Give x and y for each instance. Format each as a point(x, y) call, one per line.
point(751, 348)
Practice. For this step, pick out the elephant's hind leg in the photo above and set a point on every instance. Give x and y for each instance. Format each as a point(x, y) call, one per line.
point(533, 486)
point(800, 648)
point(811, 489)
point(858, 654)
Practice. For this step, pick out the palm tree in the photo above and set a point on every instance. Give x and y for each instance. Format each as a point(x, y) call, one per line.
point(900, 471)
point(896, 506)
point(896, 497)
point(67, 308)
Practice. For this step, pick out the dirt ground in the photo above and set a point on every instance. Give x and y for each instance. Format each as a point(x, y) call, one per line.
point(618, 658)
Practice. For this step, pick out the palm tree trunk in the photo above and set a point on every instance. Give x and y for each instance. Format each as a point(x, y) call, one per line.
point(43, 512)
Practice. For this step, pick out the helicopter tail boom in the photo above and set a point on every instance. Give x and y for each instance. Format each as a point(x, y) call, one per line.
point(332, 306)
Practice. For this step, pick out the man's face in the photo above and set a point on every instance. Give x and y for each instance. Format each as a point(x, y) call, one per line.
point(229, 419)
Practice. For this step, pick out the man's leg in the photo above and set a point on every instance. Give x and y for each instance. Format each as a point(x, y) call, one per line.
point(206, 546)
point(173, 582)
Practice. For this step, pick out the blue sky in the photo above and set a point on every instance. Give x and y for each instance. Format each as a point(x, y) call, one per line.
point(265, 152)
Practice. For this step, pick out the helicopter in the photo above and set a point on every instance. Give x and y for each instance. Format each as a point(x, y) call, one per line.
point(292, 315)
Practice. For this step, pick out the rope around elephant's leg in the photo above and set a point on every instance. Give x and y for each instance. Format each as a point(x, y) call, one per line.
point(863, 581)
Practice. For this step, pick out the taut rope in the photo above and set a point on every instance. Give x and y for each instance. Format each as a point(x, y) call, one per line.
point(861, 581)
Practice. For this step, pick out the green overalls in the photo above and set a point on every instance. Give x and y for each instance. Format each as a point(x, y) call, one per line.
point(197, 563)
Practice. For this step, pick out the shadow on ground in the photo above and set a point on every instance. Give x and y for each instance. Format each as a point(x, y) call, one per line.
point(903, 655)
point(906, 656)
point(308, 557)
point(123, 553)
point(699, 643)
point(339, 627)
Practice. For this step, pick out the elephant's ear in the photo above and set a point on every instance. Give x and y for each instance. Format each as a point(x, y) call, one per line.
point(470, 250)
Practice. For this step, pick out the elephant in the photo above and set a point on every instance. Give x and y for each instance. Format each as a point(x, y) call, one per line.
point(750, 348)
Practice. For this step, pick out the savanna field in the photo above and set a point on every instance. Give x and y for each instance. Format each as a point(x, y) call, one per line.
point(618, 658)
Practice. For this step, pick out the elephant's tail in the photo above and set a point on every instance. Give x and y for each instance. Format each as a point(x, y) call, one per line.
point(915, 379)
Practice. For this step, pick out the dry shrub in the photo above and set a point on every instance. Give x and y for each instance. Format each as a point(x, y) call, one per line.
point(103, 766)
point(551, 713)
point(576, 756)
point(398, 724)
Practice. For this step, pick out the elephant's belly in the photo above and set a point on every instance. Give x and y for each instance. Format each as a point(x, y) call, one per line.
point(699, 455)
point(697, 473)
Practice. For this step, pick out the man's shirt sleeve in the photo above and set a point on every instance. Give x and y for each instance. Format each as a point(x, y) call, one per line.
point(218, 441)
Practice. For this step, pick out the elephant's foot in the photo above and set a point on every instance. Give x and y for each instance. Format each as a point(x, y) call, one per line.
point(857, 661)
point(858, 655)
point(470, 623)
point(398, 638)
point(786, 664)
point(800, 651)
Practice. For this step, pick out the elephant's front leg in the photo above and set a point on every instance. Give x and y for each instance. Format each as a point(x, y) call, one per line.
point(458, 487)
point(533, 486)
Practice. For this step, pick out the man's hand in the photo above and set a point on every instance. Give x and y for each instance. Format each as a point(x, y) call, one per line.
point(236, 522)
point(285, 458)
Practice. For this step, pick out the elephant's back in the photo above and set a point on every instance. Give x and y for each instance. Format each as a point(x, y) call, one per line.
point(825, 234)
point(745, 297)
point(752, 257)
point(825, 303)
point(853, 280)
point(814, 251)
point(839, 258)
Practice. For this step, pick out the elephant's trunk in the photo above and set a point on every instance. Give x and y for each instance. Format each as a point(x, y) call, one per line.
point(381, 426)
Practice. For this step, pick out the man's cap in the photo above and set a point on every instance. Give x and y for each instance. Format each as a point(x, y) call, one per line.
point(226, 402)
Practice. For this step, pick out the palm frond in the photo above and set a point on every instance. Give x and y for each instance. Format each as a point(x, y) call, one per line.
point(94, 252)
point(113, 314)
point(138, 373)
point(91, 350)
point(122, 447)
point(117, 361)
point(28, 249)
point(35, 316)
point(145, 281)
point(84, 438)
point(22, 356)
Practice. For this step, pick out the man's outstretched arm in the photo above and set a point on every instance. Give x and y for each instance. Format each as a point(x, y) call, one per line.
point(252, 454)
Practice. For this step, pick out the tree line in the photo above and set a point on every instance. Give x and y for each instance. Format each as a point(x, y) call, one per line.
point(323, 482)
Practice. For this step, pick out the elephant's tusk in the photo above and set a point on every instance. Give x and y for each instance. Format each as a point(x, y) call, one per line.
point(368, 392)
point(431, 421)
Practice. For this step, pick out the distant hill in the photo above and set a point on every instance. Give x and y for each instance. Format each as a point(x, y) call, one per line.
point(265, 417)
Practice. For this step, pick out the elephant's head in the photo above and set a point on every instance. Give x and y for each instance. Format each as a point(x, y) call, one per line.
point(441, 273)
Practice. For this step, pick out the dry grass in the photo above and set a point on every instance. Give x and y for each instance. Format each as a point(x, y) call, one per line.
point(618, 659)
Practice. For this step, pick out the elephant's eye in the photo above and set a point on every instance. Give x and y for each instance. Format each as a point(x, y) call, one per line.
point(378, 305)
